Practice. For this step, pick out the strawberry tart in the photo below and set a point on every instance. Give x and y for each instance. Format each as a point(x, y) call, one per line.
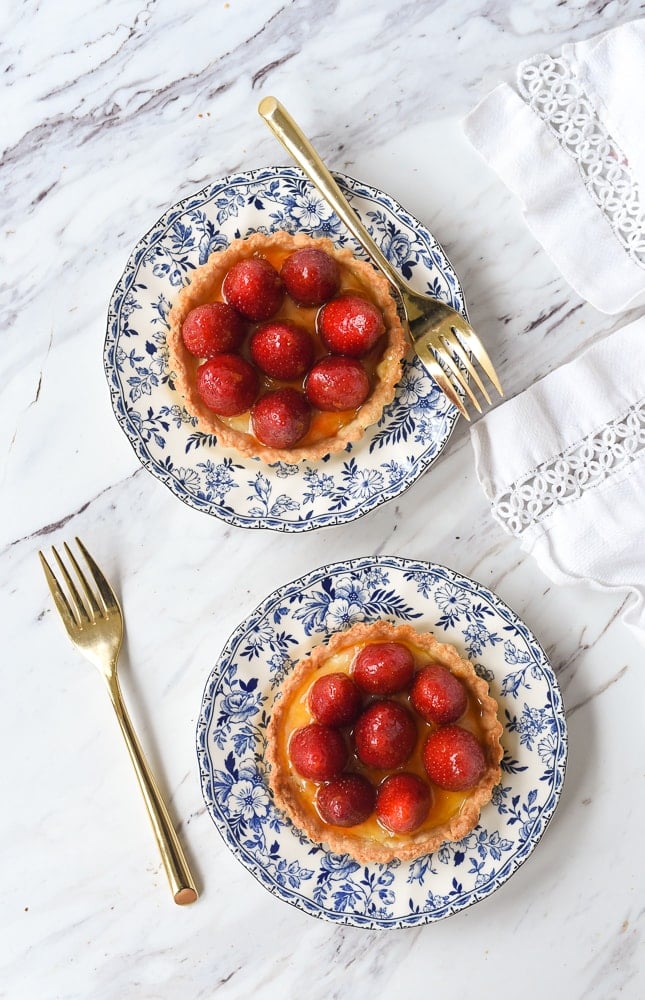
point(384, 743)
point(286, 347)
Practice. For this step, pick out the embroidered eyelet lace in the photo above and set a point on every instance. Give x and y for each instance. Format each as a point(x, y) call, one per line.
point(550, 88)
point(564, 478)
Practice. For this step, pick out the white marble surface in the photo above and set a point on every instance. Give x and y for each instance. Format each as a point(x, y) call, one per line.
point(111, 113)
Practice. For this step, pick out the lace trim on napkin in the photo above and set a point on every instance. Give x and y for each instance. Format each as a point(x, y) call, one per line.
point(550, 88)
point(564, 478)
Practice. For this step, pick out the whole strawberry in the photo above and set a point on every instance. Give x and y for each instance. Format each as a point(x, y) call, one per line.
point(318, 752)
point(254, 288)
point(334, 700)
point(385, 735)
point(346, 801)
point(335, 384)
point(437, 695)
point(212, 328)
point(453, 758)
point(310, 276)
point(227, 384)
point(281, 418)
point(402, 802)
point(350, 325)
point(383, 668)
point(282, 349)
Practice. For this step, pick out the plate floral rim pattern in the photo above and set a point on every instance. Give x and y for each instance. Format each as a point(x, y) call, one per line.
point(242, 491)
point(236, 707)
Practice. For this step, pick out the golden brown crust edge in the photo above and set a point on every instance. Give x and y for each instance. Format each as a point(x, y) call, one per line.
point(415, 846)
point(208, 277)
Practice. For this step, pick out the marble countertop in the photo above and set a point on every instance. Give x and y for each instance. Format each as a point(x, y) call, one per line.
point(113, 112)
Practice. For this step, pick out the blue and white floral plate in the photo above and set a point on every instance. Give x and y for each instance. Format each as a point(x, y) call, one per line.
point(243, 491)
point(236, 707)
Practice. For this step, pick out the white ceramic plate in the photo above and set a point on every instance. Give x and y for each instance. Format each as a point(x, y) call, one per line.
point(236, 707)
point(243, 491)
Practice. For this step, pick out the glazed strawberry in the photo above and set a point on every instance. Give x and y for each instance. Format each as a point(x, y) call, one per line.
point(402, 802)
point(310, 276)
point(453, 758)
point(227, 384)
point(318, 752)
point(254, 288)
point(346, 801)
point(437, 695)
point(385, 735)
point(282, 349)
point(337, 384)
point(350, 325)
point(383, 668)
point(281, 418)
point(334, 700)
point(214, 328)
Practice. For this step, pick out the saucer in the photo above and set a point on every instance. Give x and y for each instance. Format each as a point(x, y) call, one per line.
point(237, 704)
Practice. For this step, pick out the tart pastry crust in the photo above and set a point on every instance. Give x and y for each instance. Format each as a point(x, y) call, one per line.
point(205, 286)
point(370, 842)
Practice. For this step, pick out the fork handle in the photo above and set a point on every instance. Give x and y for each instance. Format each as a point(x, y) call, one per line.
point(300, 149)
point(174, 861)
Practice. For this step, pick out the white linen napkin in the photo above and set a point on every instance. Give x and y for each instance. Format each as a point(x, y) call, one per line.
point(571, 485)
point(569, 142)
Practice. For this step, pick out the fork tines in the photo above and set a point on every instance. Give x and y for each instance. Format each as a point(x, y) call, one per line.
point(78, 608)
point(450, 364)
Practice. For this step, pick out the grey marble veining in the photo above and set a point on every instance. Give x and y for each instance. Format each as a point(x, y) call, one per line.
point(111, 113)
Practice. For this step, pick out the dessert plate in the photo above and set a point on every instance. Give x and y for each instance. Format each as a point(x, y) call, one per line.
point(236, 707)
point(243, 491)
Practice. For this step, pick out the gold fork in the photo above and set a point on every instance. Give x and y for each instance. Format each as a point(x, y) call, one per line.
point(444, 341)
point(94, 623)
